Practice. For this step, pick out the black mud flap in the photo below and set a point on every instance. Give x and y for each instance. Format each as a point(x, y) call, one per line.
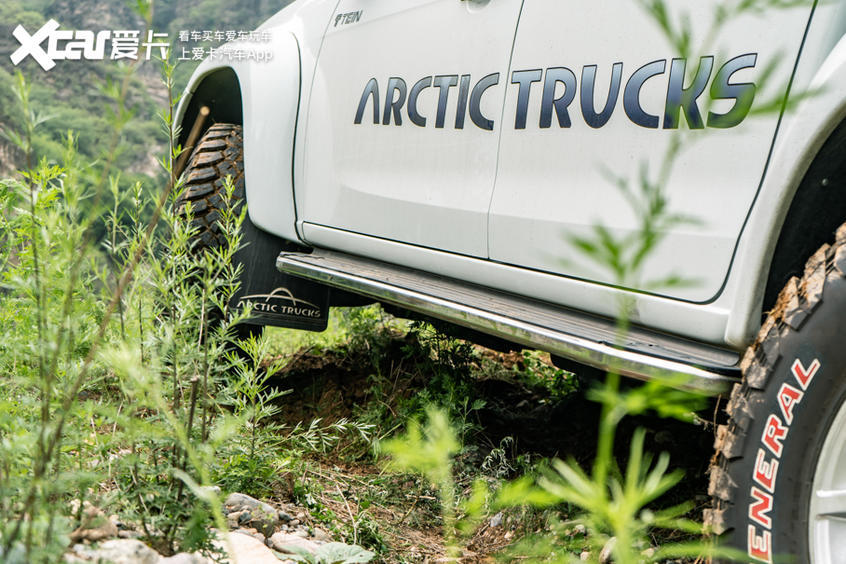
point(276, 298)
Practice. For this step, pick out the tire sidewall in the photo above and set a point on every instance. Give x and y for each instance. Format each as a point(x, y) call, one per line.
point(773, 523)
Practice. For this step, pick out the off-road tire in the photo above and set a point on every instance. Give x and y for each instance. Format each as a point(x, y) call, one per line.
point(218, 154)
point(794, 383)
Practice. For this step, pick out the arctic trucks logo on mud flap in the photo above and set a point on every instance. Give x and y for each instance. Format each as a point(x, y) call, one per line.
point(765, 471)
point(280, 302)
point(559, 87)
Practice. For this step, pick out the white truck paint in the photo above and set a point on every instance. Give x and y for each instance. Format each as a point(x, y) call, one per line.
point(491, 207)
point(423, 185)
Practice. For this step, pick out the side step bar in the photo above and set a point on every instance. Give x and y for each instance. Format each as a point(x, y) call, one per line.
point(580, 337)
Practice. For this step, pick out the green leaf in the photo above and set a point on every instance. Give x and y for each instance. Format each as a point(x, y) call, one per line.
point(340, 553)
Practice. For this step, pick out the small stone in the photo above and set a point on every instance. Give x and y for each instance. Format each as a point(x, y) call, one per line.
point(239, 502)
point(120, 551)
point(95, 526)
point(283, 543)
point(253, 533)
point(185, 558)
point(210, 490)
point(301, 516)
point(74, 505)
point(261, 516)
point(300, 533)
point(496, 520)
point(579, 529)
point(649, 552)
point(607, 550)
point(321, 535)
point(232, 519)
point(284, 517)
point(584, 556)
point(128, 534)
point(244, 549)
point(294, 522)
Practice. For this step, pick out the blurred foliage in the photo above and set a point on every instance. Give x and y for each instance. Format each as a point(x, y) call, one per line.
point(74, 94)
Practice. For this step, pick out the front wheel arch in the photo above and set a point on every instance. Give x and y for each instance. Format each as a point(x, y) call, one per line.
point(220, 91)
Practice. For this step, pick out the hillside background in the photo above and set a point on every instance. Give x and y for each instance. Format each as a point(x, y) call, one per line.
point(71, 92)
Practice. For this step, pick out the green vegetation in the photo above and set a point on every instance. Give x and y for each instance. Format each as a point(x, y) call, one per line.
point(123, 387)
point(75, 95)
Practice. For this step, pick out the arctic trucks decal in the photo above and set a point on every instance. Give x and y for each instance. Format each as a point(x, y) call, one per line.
point(281, 302)
point(680, 99)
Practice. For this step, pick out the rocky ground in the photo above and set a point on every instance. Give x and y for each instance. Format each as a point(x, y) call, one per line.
point(340, 498)
point(259, 533)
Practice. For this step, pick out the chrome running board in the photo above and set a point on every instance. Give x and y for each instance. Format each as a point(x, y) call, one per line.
point(571, 334)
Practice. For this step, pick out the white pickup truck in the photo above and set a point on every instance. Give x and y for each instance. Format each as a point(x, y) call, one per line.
point(442, 157)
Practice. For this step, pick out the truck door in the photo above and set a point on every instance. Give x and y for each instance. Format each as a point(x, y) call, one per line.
point(404, 120)
point(595, 95)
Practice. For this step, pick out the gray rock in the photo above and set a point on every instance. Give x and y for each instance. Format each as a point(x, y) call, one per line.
point(321, 535)
point(95, 526)
point(260, 516)
point(240, 502)
point(496, 520)
point(253, 533)
point(120, 551)
point(284, 517)
point(294, 522)
point(607, 550)
point(584, 556)
point(283, 543)
point(210, 489)
point(244, 549)
point(185, 558)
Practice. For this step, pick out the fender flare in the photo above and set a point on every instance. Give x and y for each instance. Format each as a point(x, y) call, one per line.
point(264, 96)
point(807, 128)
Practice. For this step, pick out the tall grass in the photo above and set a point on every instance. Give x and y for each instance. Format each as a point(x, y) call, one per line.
point(113, 348)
